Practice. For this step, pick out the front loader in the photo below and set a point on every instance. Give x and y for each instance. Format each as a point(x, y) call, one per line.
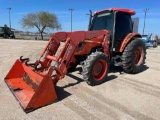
point(109, 40)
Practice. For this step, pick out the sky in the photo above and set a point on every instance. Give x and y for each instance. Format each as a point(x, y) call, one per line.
point(81, 8)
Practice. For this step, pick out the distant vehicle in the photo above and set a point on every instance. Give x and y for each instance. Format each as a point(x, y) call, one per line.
point(158, 41)
point(5, 32)
point(149, 40)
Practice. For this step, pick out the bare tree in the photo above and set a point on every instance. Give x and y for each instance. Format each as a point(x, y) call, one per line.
point(41, 20)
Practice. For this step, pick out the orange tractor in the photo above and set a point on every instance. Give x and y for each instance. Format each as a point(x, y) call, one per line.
point(109, 40)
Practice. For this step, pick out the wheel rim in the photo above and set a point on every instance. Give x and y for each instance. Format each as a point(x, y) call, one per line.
point(138, 56)
point(99, 70)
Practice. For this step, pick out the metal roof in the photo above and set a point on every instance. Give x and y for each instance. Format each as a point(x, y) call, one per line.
point(131, 12)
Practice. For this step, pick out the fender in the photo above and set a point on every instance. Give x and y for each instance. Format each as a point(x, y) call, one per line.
point(127, 39)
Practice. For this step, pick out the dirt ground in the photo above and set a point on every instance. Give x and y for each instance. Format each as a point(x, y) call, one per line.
point(121, 97)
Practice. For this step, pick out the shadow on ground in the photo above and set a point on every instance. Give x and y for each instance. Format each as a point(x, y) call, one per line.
point(79, 69)
point(114, 69)
point(144, 68)
point(62, 94)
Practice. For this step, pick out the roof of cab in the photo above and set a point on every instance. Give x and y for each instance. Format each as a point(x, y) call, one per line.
point(131, 12)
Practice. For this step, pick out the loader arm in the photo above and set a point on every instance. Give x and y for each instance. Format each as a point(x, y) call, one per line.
point(62, 60)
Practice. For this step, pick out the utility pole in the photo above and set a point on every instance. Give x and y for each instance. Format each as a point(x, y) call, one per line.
point(145, 12)
point(71, 9)
point(9, 17)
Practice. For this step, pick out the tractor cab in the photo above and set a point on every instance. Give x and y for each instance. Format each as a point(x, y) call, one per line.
point(118, 21)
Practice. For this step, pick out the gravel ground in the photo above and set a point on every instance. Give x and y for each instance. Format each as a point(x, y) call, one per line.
point(121, 97)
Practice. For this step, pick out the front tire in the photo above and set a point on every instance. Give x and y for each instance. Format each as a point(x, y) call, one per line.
point(133, 56)
point(95, 68)
point(5, 36)
point(13, 37)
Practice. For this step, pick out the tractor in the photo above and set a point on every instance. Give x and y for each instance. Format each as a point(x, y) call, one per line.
point(109, 40)
point(6, 32)
point(149, 41)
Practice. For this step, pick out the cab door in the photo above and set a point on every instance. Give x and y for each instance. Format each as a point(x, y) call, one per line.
point(123, 26)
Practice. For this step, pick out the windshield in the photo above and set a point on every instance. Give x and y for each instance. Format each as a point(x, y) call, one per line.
point(1, 29)
point(103, 21)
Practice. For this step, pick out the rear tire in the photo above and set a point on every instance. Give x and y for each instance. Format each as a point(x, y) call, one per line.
point(133, 56)
point(5, 36)
point(95, 68)
point(154, 44)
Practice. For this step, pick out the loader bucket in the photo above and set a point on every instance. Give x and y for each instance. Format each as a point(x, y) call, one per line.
point(32, 89)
